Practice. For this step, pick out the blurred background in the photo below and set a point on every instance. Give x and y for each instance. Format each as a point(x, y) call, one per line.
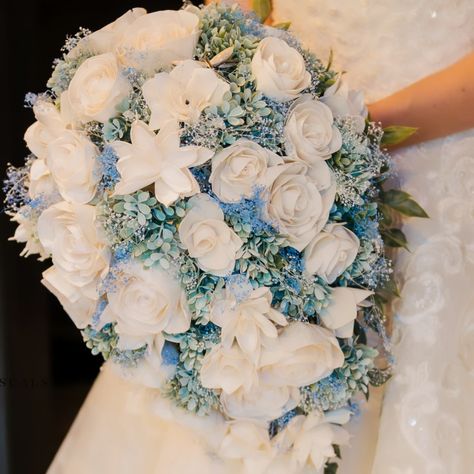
point(45, 368)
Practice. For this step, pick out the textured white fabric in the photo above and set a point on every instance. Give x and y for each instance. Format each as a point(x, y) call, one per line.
point(116, 432)
point(427, 424)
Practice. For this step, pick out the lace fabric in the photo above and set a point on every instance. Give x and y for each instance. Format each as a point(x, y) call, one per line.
point(427, 421)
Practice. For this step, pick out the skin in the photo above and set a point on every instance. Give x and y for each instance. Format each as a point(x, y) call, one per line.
point(438, 105)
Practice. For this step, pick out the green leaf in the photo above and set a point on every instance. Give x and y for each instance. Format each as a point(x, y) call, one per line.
point(330, 468)
point(391, 288)
point(412, 209)
point(284, 25)
point(395, 134)
point(330, 60)
point(159, 214)
point(337, 450)
point(380, 301)
point(143, 196)
point(167, 235)
point(385, 212)
point(394, 238)
point(262, 8)
point(141, 219)
point(143, 208)
point(403, 203)
point(378, 377)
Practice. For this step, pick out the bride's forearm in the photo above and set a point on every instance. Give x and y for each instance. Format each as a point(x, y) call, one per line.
point(437, 105)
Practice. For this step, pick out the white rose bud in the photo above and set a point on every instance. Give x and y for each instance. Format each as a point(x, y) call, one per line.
point(84, 100)
point(71, 160)
point(239, 168)
point(341, 313)
point(299, 200)
point(208, 238)
point(345, 102)
point(310, 133)
point(157, 39)
point(331, 252)
point(279, 70)
point(302, 354)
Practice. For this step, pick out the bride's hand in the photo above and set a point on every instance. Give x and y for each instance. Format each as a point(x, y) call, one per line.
point(438, 105)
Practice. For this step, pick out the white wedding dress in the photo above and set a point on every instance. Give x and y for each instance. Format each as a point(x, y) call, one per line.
point(427, 421)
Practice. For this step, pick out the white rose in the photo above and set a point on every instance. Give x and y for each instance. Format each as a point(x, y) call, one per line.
point(40, 179)
point(262, 402)
point(157, 39)
point(26, 233)
point(331, 252)
point(71, 160)
point(246, 322)
point(80, 257)
point(227, 369)
point(310, 133)
point(95, 91)
point(345, 102)
point(48, 126)
point(182, 94)
point(279, 70)
point(239, 168)
point(160, 160)
point(310, 439)
point(301, 355)
point(145, 302)
point(249, 443)
point(299, 201)
point(340, 315)
point(106, 39)
point(207, 237)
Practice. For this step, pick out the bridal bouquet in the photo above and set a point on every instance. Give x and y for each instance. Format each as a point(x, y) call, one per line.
point(210, 196)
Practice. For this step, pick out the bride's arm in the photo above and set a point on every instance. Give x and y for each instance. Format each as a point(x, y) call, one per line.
point(437, 105)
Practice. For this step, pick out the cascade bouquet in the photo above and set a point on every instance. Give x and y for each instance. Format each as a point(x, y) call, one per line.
point(209, 194)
